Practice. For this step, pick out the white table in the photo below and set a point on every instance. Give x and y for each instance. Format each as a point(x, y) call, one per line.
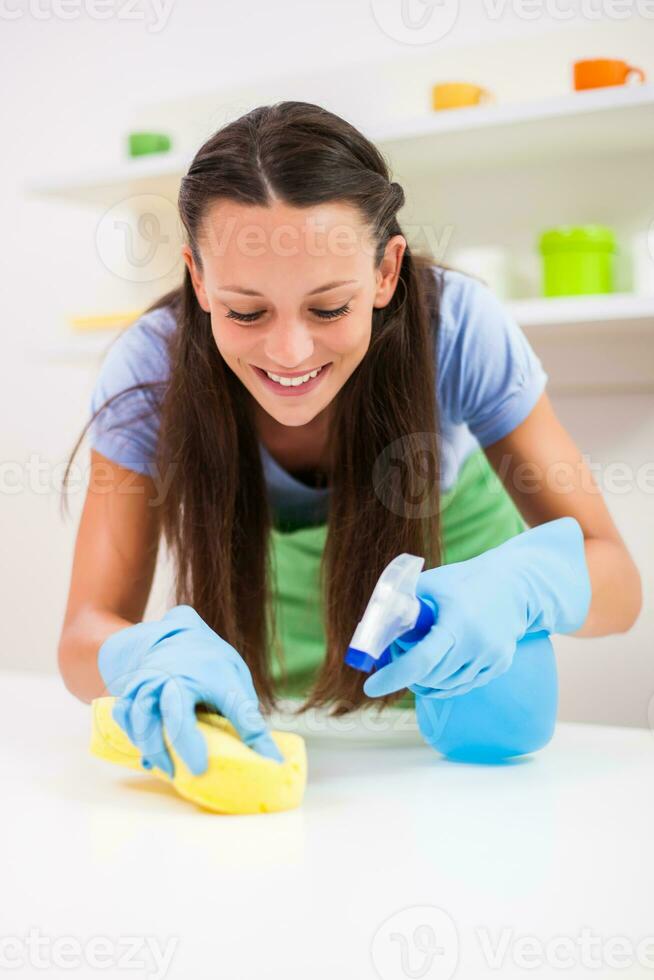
point(542, 848)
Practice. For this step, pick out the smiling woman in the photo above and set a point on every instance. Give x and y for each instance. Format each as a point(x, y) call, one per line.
point(291, 337)
point(292, 341)
point(295, 263)
point(307, 342)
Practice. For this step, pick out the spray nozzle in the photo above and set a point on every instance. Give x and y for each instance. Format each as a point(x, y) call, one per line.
point(393, 610)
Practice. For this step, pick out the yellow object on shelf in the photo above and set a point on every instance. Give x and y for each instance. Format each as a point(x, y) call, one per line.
point(103, 321)
point(455, 95)
point(237, 780)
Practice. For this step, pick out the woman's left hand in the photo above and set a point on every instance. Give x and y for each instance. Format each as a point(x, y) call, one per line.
point(533, 582)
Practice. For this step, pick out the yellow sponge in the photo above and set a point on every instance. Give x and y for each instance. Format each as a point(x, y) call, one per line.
point(237, 780)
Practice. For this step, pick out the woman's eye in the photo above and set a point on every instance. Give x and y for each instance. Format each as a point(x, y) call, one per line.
point(244, 317)
point(323, 314)
point(332, 314)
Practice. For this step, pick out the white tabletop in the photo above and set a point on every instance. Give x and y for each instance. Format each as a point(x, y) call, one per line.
point(398, 864)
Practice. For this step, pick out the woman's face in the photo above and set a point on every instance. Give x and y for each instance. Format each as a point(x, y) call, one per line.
point(291, 292)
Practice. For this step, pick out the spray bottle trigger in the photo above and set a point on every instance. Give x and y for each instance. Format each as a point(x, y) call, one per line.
point(385, 659)
point(426, 619)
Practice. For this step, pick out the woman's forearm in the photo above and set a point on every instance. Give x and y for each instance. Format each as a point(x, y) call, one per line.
point(77, 654)
point(616, 589)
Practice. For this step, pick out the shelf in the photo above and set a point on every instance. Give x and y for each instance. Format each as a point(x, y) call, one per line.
point(597, 345)
point(153, 174)
point(568, 127)
point(82, 348)
point(564, 315)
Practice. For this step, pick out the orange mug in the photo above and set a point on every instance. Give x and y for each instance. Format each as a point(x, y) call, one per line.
point(598, 72)
point(454, 95)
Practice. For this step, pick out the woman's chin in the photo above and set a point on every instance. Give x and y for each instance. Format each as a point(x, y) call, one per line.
point(294, 415)
point(292, 411)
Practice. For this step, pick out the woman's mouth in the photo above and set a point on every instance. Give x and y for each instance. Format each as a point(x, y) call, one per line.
point(300, 384)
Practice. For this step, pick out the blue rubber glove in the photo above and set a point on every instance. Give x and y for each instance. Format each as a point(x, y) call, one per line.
point(536, 581)
point(161, 670)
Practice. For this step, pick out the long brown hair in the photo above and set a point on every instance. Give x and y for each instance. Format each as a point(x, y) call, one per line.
point(215, 515)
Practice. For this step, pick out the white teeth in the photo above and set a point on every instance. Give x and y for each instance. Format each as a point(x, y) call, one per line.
point(293, 382)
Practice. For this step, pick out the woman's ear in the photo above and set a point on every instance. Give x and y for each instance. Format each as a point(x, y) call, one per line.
point(196, 278)
point(388, 272)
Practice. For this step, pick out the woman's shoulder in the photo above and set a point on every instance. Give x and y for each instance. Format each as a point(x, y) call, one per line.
point(471, 315)
point(487, 372)
point(130, 381)
point(149, 335)
point(138, 356)
point(140, 353)
point(160, 320)
point(466, 315)
point(461, 295)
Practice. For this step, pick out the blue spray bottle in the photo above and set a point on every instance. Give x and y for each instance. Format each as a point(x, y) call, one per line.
point(511, 715)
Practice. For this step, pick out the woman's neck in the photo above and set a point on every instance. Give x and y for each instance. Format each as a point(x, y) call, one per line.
point(296, 448)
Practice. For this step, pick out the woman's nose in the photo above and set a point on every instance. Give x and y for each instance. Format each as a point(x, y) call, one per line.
point(289, 345)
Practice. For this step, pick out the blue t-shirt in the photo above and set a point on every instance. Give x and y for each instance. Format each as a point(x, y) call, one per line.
point(488, 381)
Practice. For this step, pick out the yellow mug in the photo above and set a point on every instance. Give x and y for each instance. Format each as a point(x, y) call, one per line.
point(454, 95)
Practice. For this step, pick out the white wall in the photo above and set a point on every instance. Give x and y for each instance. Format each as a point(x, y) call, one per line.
point(612, 678)
point(76, 85)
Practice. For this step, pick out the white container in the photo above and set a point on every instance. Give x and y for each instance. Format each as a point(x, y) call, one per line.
point(490, 263)
point(642, 261)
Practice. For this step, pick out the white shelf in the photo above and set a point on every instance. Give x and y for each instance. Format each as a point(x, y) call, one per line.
point(619, 119)
point(151, 174)
point(616, 119)
point(82, 348)
point(592, 344)
point(562, 315)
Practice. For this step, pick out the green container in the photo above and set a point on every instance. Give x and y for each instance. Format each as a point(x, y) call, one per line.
point(141, 144)
point(577, 260)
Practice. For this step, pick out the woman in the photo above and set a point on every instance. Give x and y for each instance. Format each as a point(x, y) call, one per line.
point(313, 401)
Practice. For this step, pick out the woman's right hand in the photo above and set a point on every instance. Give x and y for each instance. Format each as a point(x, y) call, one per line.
point(160, 670)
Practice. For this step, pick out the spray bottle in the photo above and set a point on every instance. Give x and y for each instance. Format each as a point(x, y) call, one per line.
point(511, 715)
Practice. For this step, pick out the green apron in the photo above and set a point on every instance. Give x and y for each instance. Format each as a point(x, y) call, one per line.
point(477, 513)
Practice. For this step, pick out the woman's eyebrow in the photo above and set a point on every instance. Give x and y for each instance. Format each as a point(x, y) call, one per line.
point(320, 289)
